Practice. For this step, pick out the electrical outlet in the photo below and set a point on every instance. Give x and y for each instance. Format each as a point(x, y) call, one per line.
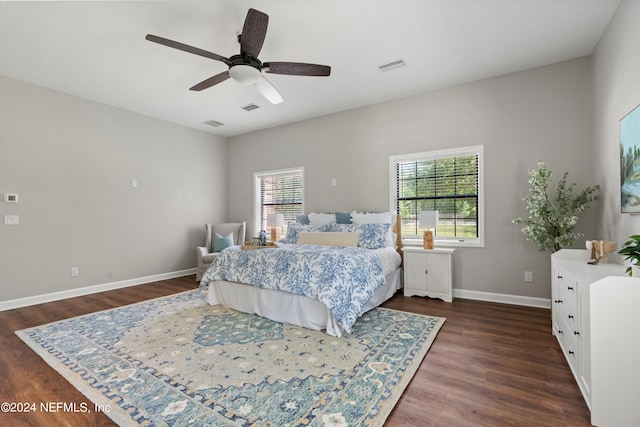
point(528, 276)
point(75, 272)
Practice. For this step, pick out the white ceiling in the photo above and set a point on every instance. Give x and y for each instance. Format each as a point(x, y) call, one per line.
point(98, 51)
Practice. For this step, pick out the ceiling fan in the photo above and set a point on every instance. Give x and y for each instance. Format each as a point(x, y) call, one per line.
point(246, 68)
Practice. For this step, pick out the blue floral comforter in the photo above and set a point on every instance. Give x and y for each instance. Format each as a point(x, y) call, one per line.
point(343, 278)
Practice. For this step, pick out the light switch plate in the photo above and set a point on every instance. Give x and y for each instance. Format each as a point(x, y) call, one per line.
point(11, 220)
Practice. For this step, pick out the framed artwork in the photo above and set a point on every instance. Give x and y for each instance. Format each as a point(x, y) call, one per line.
point(630, 162)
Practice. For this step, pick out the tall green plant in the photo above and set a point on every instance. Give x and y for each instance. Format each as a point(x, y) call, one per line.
point(552, 219)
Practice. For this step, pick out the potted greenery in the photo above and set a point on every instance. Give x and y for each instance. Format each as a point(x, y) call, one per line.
point(631, 249)
point(552, 218)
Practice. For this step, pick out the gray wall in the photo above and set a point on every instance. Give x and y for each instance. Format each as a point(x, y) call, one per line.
point(543, 113)
point(71, 161)
point(616, 92)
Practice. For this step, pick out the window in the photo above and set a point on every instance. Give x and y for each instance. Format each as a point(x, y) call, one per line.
point(449, 181)
point(278, 192)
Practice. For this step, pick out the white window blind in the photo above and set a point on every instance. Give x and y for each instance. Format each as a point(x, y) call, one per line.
point(279, 192)
point(449, 182)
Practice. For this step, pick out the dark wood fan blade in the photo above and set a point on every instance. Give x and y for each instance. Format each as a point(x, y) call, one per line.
point(253, 32)
point(218, 78)
point(297, 69)
point(186, 48)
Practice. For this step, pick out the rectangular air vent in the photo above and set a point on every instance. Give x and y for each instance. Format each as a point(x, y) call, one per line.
point(213, 123)
point(392, 65)
point(250, 107)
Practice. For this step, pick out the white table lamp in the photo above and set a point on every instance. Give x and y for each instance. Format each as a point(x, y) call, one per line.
point(275, 221)
point(428, 220)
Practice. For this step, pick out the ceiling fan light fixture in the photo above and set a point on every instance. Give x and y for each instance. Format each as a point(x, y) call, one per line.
point(245, 74)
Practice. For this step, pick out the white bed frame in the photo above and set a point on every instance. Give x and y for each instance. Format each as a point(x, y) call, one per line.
point(293, 309)
point(289, 308)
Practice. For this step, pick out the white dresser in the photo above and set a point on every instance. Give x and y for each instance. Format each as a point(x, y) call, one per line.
point(596, 319)
point(428, 272)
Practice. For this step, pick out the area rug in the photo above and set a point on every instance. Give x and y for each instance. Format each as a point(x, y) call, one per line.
point(178, 361)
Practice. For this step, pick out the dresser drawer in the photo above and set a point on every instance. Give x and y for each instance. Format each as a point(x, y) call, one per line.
point(569, 342)
point(567, 290)
point(565, 302)
point(566, 287)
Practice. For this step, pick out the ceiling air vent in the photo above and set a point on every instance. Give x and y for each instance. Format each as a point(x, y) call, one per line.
point(213, 123)
point(392, 65)
point(250, 107)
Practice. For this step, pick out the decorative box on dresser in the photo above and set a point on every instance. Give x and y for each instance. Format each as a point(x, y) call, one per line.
point(428, 272)
point(596, 319)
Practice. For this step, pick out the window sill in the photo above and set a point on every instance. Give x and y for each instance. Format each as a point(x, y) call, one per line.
point(445, 243)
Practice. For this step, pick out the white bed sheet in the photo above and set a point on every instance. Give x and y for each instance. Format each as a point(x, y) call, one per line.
point(289, 308)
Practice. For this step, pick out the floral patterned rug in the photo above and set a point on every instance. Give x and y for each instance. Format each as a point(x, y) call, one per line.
point(178, 361)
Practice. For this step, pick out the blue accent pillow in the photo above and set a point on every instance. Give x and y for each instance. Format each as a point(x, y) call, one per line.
point(222, 242)
point(302, 219)
point(343, 217)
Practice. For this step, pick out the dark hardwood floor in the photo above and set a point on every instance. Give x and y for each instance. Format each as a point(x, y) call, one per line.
point(490, 365)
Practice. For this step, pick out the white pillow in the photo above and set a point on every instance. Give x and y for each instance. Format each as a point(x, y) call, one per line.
point(373, 218)
point(377, 218)
point(321, 218)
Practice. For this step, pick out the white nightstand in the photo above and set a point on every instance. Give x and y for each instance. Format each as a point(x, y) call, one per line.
point(428, 272)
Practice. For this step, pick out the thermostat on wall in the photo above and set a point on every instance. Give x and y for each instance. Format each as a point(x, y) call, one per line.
point(10, 198)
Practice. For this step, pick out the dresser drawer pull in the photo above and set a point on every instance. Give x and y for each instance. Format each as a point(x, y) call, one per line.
point(559, 277)
point(570, 288)
point(571, 316)
point(560, 331)
point(426, 272)
point(576, 333)
point(558, 301)
point(571, 353)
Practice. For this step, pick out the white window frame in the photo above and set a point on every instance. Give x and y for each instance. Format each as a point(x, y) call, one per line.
point(257, 206)
point(440, 154)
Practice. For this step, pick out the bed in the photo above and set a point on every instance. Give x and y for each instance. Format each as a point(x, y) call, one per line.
point(323, 275)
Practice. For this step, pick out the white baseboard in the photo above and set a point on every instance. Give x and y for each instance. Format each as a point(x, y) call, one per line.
point(71, 293)
point(503, 298)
